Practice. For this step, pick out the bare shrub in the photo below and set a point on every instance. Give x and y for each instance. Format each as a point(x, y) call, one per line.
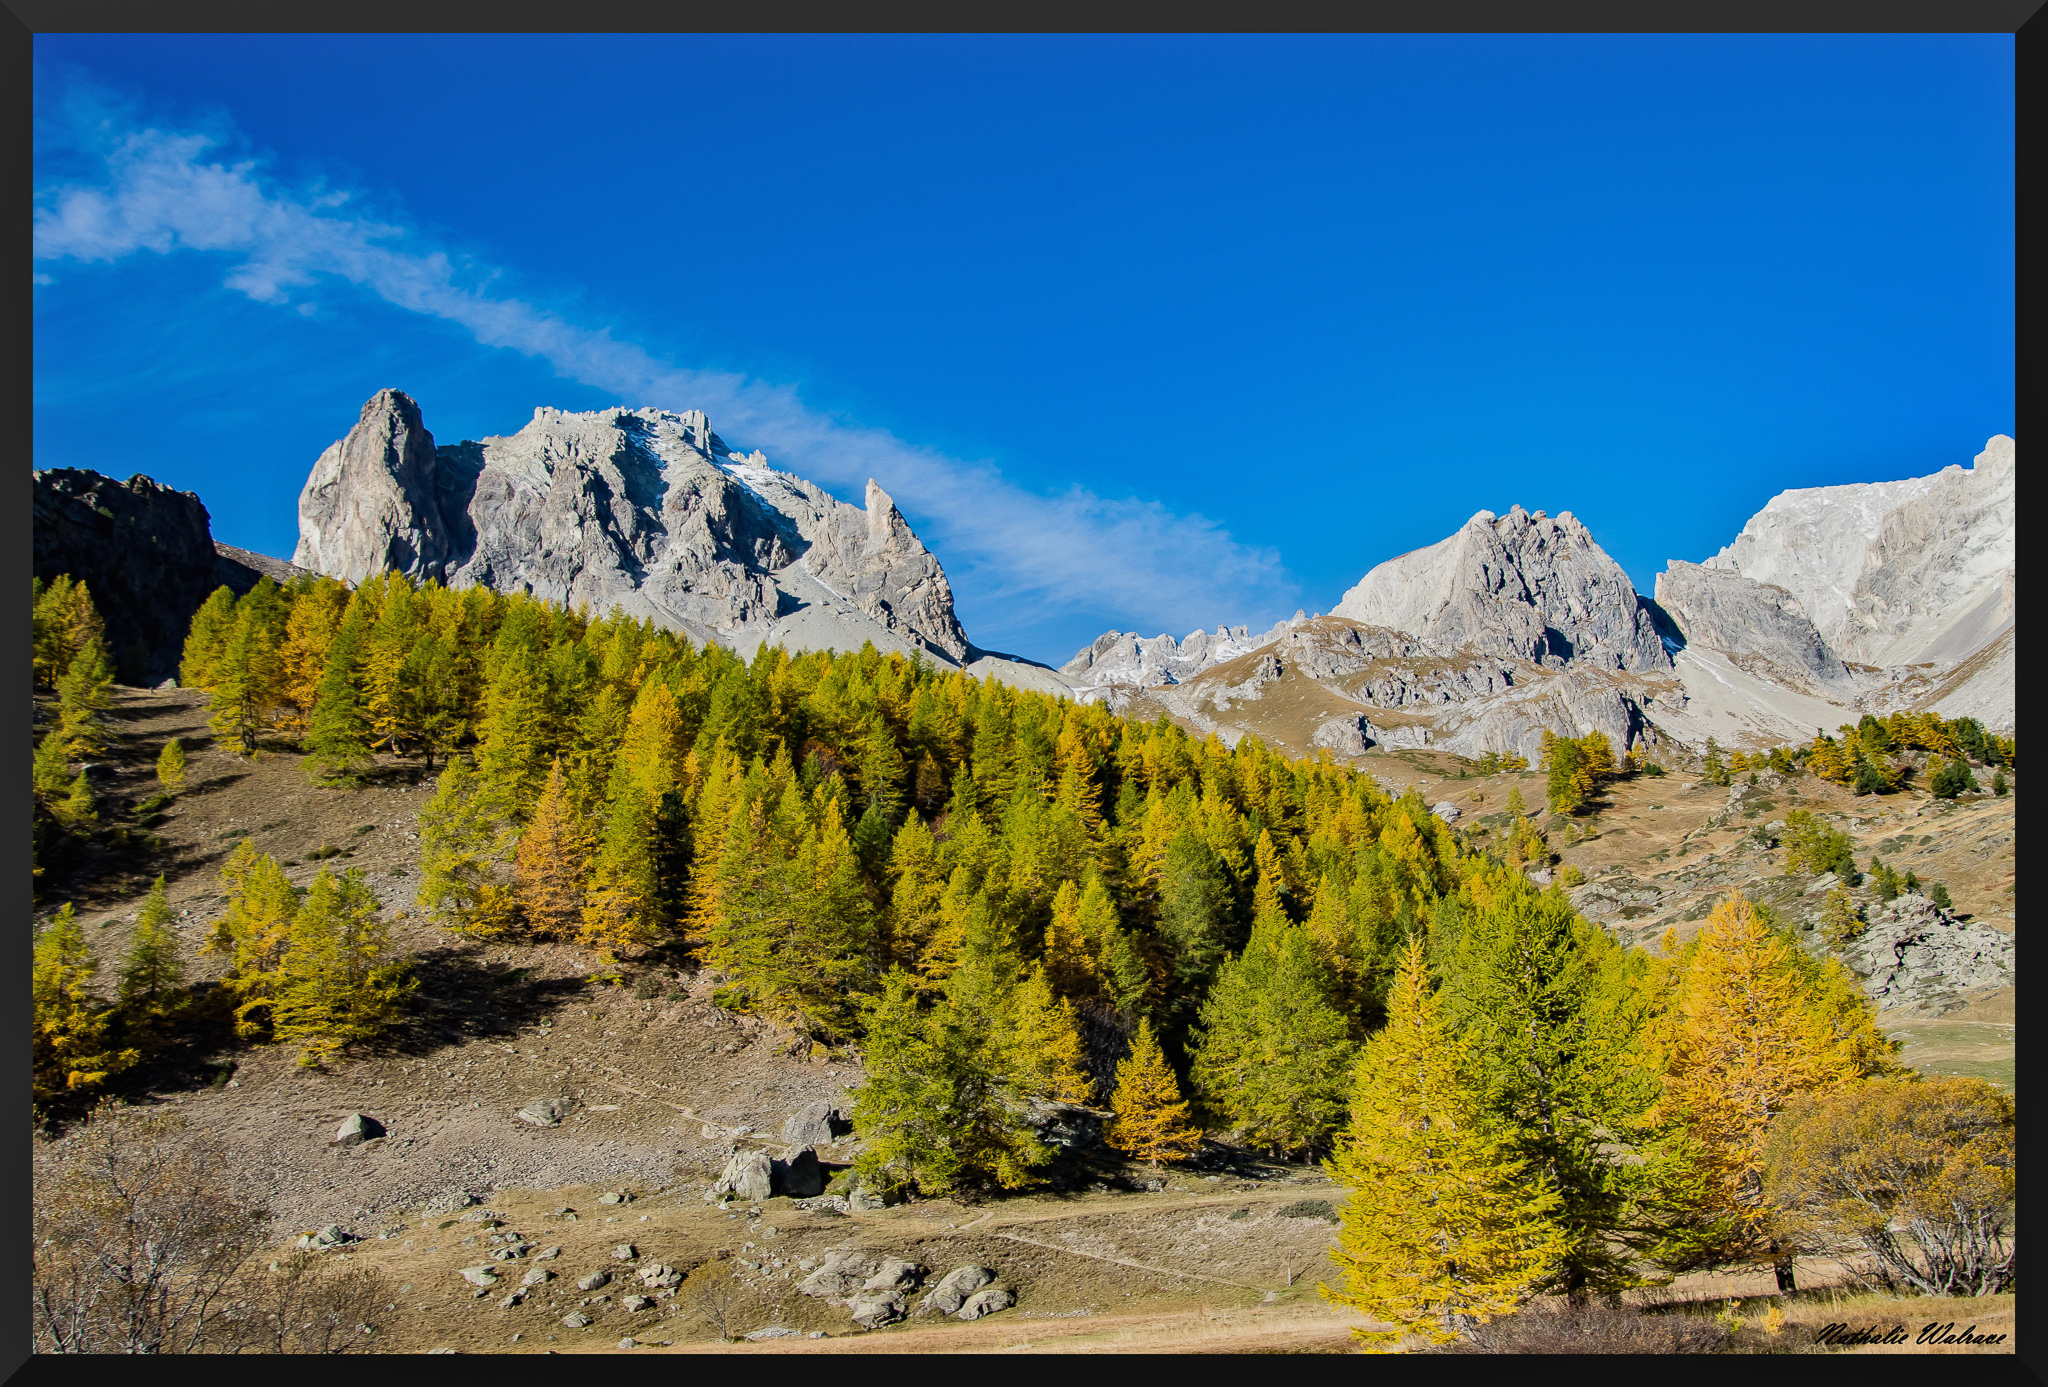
point(306, 1304)
point(1597, 1326)
point(714, 1295)
point(136, 1242)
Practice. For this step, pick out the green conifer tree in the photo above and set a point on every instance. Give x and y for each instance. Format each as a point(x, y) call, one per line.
point(207, 637)
point(463, 843)
point(1555, 1058)
point(936, 1110)
point(338, 739)
point(341, 981)
point(151, 971)
point(1271, 1055)
point(84, 694)
point(1195, 910)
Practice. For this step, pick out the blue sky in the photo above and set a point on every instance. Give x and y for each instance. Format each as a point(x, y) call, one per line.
point(1145, 333)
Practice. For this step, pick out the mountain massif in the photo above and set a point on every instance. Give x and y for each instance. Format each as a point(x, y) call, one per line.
point(1832, 601)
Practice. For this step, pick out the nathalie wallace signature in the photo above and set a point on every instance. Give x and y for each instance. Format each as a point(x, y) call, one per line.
point(1931, 1334)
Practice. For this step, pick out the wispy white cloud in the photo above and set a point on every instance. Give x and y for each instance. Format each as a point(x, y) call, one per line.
point(1014, 554)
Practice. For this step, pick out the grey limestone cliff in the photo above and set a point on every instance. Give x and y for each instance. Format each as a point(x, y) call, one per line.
point(1894, 573)
point(644, 509)
point(1761, 626)
point(1520, 586)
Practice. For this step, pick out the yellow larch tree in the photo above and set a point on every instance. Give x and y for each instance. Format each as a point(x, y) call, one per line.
point(552, 861)
point(1445, 1226)
point(1151, 1115)
point(1753, 1025)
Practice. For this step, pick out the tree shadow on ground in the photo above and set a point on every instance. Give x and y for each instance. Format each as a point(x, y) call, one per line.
point(462, 997)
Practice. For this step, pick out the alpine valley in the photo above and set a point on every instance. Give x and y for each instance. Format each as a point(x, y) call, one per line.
point(667, 940)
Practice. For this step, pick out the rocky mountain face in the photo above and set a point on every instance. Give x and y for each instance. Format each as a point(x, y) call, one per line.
point(1764, 627)
point(146, 552)
point(1517, 586)
point(1514, 625)
point(1894, 573)
point(645, 510)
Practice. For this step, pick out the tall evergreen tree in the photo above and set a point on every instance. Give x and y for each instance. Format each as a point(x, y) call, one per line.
point(1752, 1025)
point(246, 683)
point(254, 933)
point(1555, 1060)
point(84, 694)
point(342, 983)
point(462, 843)
point(1195, 910)
point(69, 1051)
point(151, 971)
point(933, 1112)
point(1271, 1054)
point(1151, 1117)
point(338, 738)
point(1446, 1226)
point(553, 863)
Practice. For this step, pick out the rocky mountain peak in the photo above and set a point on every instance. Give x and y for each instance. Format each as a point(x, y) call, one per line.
point(642, 509)
point(1522, 586)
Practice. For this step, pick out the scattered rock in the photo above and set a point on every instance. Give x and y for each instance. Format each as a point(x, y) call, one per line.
point(1915, 956)
point(625, 1252)
point(480, 1276)
point(1447, 811)
point(873, 1309)
point(539, 1276)
point(986, 1303)
point(545, 1112)
point(628, 1342)
point(952, 1291)
point(773, 1331)
point(593, 1281)
point(749, 1176)
point(660, 1278)
point(637, 1303)
point(547, 1254)
point(894, 1274)
point(358, 1128)
point(447, 1203)
point(515, 1298)
point(841, 1273)
point(576, 1319)
point(330, 1236)
point(615, 1197)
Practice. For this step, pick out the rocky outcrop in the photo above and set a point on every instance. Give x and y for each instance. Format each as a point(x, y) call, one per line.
point(1761, 627)
point(642, 510)
point(373, 502)
point(145, 552)
point(1885, 570)
point(1518, 586)
point(1915, 956)
point(1125, 657)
